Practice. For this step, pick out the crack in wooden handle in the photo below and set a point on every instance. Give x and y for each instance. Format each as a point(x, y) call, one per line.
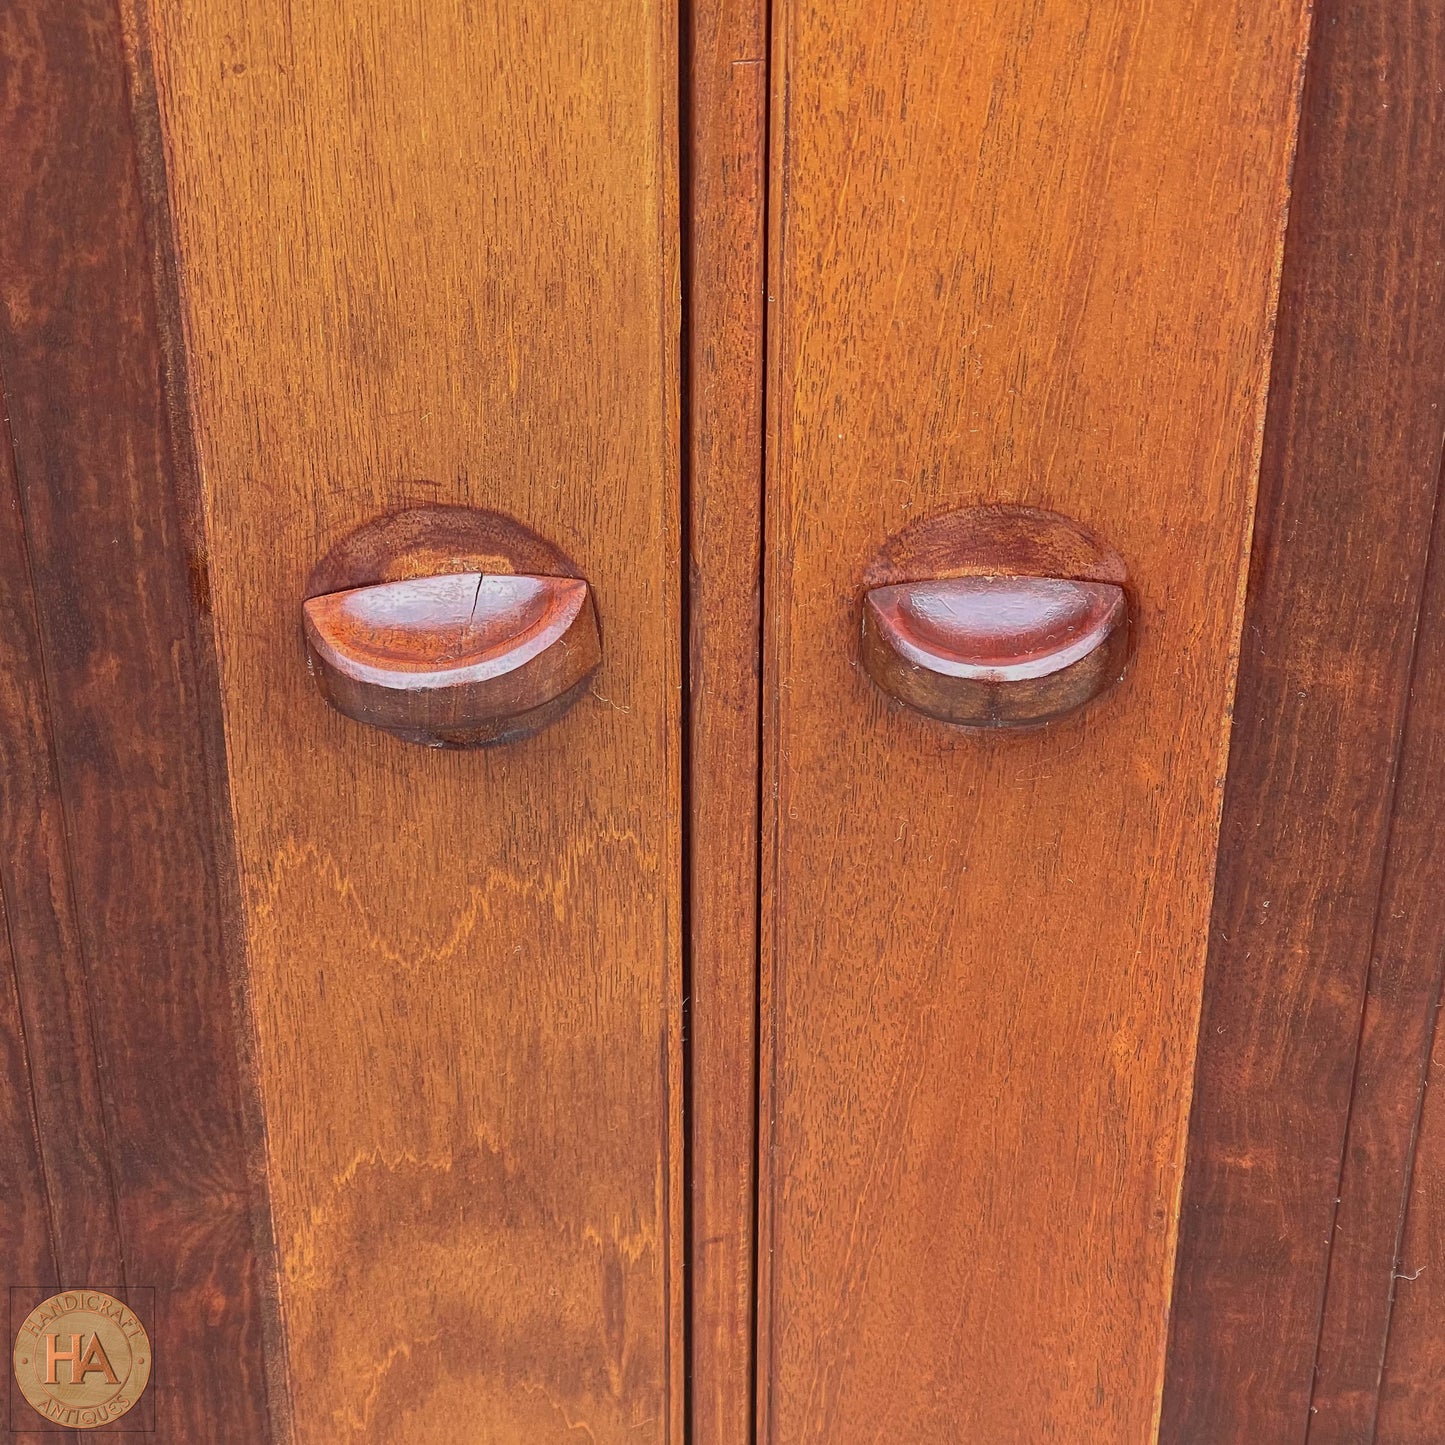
point(458, 660)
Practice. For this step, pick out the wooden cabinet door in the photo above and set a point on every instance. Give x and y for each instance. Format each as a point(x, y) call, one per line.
point(273, 271)
point(745, 1058)
point(1022, 254)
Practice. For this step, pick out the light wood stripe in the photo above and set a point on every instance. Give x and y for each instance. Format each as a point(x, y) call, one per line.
point(429, 254)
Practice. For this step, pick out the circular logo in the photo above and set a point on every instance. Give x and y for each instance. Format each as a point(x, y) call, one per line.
point(82, 1358)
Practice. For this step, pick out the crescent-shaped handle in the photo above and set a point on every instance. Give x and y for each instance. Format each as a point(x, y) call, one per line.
point(995, 651)
point(459, 660)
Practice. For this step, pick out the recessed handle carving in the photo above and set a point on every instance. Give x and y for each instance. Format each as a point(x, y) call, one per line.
point(995, 617)
point(994, 651)
point(456, 660)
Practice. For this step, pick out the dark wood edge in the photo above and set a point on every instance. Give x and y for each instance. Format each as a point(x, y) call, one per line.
point(97, 392)
point(1378, 1371)
point(167, 282)
point(50, 1074)
point(1348, 483)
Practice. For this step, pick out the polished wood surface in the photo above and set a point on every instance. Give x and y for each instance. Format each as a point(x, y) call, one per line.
point(456, 660)
point(983, 955)
point(26, 1243)
point(995, 616)
point(726, 153)
point(995, 651)
point(118, 888)
point(529, 670)
point(1381, 1349)
point(1281, 1221)
point(430, 255)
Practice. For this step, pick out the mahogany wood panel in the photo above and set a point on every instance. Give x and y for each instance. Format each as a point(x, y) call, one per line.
point(1384, 1324)
point(1023, 253)
point(430, 255)
point(31, 1228)
point(26, 1240)
point(1348, 485)
point(726, 153)
point(1373, 1272)
point(1411, 1411)
point(55, 1021)
point(116, 881)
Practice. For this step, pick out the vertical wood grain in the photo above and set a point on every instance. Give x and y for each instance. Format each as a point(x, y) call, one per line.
point(30, 1225)
point(726, 192)
point(54, 1022)
point(1382, 1348)
point(1387, 1160)
point(27, 1249)
point(430, 254)
point(1023, 253)
point(1348, 484)
point(59, 1224)
point(116, 897)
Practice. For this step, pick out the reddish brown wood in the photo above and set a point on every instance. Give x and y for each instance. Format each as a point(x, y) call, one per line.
point(49, 962)
point(993, 540)
point(982, 956)
point(978, 563)
point(1352, 456)
point(423, 541)
point(995, 651)
point(1411, 1403)
point(430, 546)
point(455, 660)
point(128, 883)
point(726, 128)
point(27, 1249)
point(1382, 1346)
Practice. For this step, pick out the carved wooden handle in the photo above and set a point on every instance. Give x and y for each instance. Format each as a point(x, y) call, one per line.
point(459, 660)
point(995, 651)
